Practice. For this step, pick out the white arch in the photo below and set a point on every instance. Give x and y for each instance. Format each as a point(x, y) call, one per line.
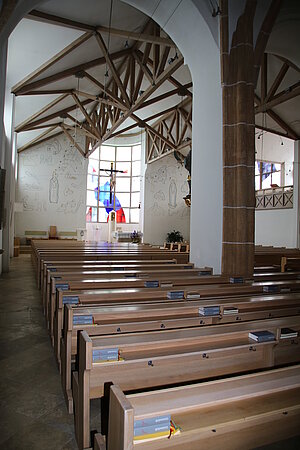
point(190, 24)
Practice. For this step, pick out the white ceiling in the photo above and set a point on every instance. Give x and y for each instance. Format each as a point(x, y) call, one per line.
point(33, 43)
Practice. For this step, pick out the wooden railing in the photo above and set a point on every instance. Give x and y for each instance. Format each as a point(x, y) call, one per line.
point(274, 198)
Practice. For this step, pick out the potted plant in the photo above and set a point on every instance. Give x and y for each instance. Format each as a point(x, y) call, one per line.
point(174, 236)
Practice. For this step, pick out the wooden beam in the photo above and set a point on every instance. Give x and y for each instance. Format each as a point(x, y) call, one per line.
point(69, 72)
point(143, 66)
point(87, 117)
point(160, 80)
point(57, 20)
point(155, 132)
point(290, 132)
point(285, 60)
point(287, 94)
point(270, 130)
point(111, 65)
point(46, 108)
point(278, 79)
point(264, 78)
point(171, 79)
point(164, 96)
point(143, 37)
point(163, 61)
point(263, 35)
point(105, 90)
point(41, 127)
point(49, 92)
point(41, 16)
point(37, 139)
point(59, 113)
point(72, 140)
point(60, 55)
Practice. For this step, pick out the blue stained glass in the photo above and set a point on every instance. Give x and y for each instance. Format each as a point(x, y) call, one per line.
point(104, 197)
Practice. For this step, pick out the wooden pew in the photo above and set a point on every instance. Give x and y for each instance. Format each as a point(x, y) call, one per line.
point(123, 319)
point(290, 263)
point(110, 296)
point(167, 273)
point(203, 287)
point(163, 358)
point(56, 265)
point(181, 258)
point(264, 409)
point(78, 266)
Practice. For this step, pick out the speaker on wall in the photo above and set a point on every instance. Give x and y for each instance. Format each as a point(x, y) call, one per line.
point(2, 192)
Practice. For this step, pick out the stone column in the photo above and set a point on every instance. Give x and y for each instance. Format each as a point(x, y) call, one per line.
point(238, 143)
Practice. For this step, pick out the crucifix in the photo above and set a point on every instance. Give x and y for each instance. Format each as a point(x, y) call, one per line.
point(111, 207)
point(112, 183)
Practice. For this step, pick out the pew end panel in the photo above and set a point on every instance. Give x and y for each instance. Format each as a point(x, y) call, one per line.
point(209, 413)
point(120, 423)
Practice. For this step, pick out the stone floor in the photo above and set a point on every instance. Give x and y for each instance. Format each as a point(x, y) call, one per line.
point(33, 414)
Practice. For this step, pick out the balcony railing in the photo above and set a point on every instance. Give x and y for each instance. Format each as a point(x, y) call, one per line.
point(275, 198)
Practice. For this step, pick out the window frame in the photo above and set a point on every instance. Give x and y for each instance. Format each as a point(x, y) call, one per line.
point(261, 173)
point(99, 205)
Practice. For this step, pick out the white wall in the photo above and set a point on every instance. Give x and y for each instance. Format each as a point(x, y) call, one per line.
point(59, 202)
point(190, 25)
point(277, 227)
point(165, 210)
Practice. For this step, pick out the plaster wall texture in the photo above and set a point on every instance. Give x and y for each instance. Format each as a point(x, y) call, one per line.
point(52, 187)
point(165, 210)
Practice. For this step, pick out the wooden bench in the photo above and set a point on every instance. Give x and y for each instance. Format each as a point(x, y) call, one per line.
point(265, 408)
point(165, 358)
point(290, 263)
point(110, 296)
point(125, 269)
point(181, 258)
point(192, 287)
point(123, 319)
point(54, 266)
point(167, 273)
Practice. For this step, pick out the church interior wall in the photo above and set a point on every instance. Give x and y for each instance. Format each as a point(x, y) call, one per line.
point(277, 227)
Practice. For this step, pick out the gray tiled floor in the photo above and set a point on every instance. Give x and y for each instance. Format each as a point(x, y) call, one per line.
point(33, 414)
point(32, 409)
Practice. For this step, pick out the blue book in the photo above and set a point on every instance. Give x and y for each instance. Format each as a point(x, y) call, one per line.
point(235, 280)
point(106, 351)
point(130, 275)
point(150, 421)
point(153, 429)
point(172, 295)
point(151, 284)
point(188, 267)
point(83, 320)
point(71, 300)
point(271, 288)
point(62, 286)
point(203, 273)
point(105, 358)
point(262, 336)
point(209, 310)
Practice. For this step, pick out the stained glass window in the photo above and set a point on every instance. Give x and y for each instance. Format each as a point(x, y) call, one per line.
point(100, 195)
